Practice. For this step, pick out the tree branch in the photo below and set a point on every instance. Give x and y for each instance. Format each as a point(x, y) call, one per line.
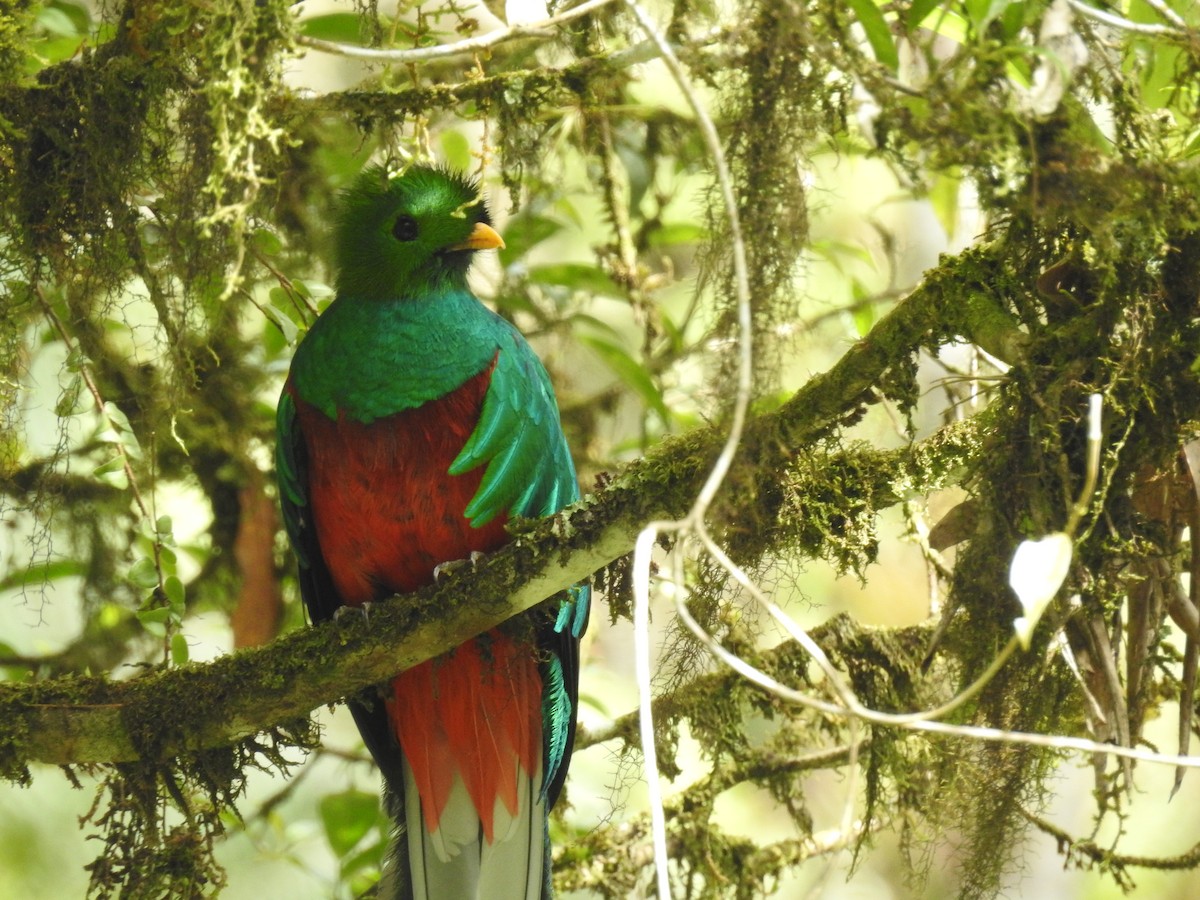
point(92, 720)
point(543, 29)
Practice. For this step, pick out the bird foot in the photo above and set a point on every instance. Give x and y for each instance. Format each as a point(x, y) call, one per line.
point(441, 570)
point(345, 613)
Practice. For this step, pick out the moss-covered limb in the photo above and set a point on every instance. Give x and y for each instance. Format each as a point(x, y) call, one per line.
point(74, 724)
point(1123, 336)
point(1085, 852)
point(91, 720)
point(880, 364)
point(931, 314)
point(66, 721)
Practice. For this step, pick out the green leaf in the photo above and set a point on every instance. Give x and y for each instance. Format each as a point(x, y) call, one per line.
point(672, 332)
point(947, 23)
point(164, 528)
point(56, 22)
point(672, 234)
point(176, 595)
point(983, 12)
point(266, 241)
point(179, 649)
point(113, 473)
point(347, 817)
point(943, 197)
point(343, 27)
point(522, 233)
point(116, 417)
point(143, 574)
point(79, 14)
point(863, 313)
point(631, 372)
point(301, 289)
point(456, 150)
point(836, 252)
point(69, 402)
point(155, 620)
point(284, 324)
point(879, 34)
point(919, 11)
point(570, 211)
point(1012, 20)
point(590, 321)
point(116, 430)
point(319, 291)
point(577, 276)
point(368, 859)
point(77, 361)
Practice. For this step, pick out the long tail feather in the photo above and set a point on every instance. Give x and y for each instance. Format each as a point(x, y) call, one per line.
point(473, 817)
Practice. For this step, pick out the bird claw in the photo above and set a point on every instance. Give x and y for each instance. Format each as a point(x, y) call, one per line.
point(343, 613)
point(441, 570)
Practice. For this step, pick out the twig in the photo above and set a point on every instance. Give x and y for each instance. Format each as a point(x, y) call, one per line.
point(1167, 13)
point(1108, 18)
point(1094, 443)
point(85, 372)
point(1105, 857)
point(542, 29)
point(308, 307)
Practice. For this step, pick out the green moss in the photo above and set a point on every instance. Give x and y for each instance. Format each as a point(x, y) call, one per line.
point(16, 16)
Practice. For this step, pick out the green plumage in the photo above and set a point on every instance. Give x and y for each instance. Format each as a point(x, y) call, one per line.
point(414, 423)
point(406, 354)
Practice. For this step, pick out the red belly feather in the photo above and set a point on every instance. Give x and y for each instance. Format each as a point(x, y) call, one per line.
point(386, 512)
point(385, 509)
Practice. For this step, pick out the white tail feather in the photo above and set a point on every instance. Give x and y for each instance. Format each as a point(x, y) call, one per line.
point(455, 863)
point(516, 856)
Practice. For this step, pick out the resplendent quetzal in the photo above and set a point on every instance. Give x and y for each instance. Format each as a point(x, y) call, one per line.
point(413, 424)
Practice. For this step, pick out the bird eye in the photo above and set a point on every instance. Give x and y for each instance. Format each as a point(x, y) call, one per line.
point(405, 229)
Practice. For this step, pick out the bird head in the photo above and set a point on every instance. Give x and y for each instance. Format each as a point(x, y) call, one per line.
point(411, 234)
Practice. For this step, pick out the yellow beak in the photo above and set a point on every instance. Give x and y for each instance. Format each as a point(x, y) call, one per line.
point(482, 237)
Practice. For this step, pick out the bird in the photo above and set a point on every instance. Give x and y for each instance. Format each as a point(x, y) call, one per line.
point(414, 423)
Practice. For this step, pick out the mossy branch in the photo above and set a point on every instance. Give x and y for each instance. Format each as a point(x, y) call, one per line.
point(92, 720)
